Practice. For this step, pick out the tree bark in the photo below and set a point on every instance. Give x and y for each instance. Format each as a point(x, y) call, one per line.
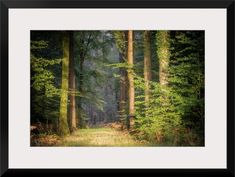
point(72, 86)
point(130, 79)
point(121, 43)
point(123, 90)
point(80, 83)
point(63, 121)
point(147, 65)
point(163, 52)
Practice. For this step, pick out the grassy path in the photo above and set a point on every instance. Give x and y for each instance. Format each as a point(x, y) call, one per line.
point(100, 137)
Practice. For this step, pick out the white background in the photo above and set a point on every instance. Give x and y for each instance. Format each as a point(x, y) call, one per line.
point(213, 155)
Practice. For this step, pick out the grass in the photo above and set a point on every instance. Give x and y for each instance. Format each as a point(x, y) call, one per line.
point(92, 137)
point(100, 137)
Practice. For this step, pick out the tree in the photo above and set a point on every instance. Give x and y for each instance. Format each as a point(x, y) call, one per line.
point(72, 84)
point(120, 40)
point(84, 40)
point(91, 53)
point(160, 120)
point(130, 79)
point(186, 78)
point(63, 121)
point(163, 52)
point(147, 65)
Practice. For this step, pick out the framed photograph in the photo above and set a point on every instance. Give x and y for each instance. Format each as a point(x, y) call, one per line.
point(126, 87)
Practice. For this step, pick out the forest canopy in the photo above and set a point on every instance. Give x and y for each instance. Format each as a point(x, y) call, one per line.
point(117, 88)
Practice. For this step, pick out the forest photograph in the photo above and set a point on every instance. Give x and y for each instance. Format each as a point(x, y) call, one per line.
point(112, 88)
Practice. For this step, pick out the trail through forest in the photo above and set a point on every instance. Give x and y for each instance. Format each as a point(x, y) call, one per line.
point(100, 137)
point(93, 137)
point(117, 88)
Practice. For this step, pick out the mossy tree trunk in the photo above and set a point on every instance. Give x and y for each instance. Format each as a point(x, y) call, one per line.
point(121, 43)
point(63, 121)
point(147, 65)
point(163, 52)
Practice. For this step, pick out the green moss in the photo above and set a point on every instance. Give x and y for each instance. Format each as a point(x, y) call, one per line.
point(63, 124)
point(163, 52)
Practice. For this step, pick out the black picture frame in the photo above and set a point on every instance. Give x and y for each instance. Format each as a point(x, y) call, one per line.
point(228, 4)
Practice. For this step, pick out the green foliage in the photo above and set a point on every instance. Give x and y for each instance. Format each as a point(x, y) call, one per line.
point(187, 77)
point(44, 92)
point(121, 42)
point(159, 119)
point(38, 44)
point(119, 65)
point(175, 114)
point(43, 78)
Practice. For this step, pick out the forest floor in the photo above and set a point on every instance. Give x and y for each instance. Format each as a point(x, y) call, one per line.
point(105, 137)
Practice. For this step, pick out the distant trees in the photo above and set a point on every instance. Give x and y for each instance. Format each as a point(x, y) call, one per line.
point(90, 53)
point(82, 51)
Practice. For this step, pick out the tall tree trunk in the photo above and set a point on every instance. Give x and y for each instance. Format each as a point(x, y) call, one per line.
point(80, 87)
point(130, 79)
point(147, 65)
point(121, 43)
point(123, 90)
point(83, 49)
point(163, 52)
point(72, 86)
point(63, 121)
